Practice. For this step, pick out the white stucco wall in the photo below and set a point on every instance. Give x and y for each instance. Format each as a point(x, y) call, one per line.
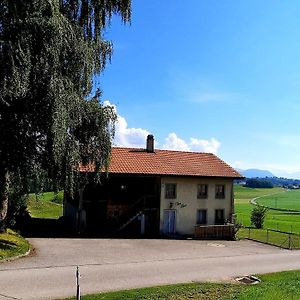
point(186, 217)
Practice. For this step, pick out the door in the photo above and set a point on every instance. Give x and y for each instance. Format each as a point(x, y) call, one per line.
point(169, 221)
point(219, 217)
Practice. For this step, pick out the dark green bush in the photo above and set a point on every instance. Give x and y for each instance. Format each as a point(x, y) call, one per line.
point(258, 215)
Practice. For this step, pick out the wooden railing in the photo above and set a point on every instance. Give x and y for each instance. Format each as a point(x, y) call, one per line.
point(134, 211)
point(215, 231)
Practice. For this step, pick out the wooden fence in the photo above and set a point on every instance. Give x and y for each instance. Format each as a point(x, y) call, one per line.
point(224, 232)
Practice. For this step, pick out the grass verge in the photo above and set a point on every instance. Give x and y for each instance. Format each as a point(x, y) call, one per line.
point(280, 239)
point(12, 244)
point(283, 285)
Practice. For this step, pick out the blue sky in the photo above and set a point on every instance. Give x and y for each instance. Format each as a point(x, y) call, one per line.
point(205, 75)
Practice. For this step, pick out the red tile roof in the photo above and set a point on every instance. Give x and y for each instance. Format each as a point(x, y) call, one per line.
point(166, 162)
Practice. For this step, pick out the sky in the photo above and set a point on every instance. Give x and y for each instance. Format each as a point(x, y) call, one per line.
point(213, 76)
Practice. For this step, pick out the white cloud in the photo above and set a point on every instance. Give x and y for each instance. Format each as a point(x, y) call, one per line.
point(136, 137)
point(129, 137)
point(201, 97)
point(211, 145)
point(241, 165)
point(173, 142)
point(126, 136)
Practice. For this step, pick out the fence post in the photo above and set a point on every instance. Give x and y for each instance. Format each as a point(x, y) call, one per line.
point(267, 236)
point(289, 241)
point(77, 284)
point(248, 232)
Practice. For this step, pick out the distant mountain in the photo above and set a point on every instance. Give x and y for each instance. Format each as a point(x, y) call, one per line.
point(253, 173)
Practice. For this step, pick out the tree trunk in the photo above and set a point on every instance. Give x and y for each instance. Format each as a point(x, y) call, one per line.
point(4, 188)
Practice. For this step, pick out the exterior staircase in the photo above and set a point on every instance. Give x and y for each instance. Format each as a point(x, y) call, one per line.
point(130, 220)
point(134, 211)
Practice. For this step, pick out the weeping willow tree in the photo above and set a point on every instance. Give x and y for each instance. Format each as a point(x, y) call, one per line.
point(50, 51)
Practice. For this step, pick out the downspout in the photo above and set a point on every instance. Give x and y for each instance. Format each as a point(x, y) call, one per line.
point(232, 204)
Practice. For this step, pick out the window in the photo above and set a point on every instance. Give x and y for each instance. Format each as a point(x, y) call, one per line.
point(201, 216)
point(219, 216)
point(170, 191)
point(202, 191)
point(220, 191)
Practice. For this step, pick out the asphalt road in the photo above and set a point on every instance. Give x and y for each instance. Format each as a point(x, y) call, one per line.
point(113, 264)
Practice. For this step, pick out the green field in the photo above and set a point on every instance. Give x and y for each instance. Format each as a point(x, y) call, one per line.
point(45, 205)
point(279, 286)
point(289, 199)
point(275, 219)
point(279, 220)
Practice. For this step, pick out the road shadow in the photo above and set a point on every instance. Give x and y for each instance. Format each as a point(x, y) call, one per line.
point(59, 228)
point(46, 228)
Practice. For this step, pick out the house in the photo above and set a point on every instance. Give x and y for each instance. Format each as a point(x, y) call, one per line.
point(152, 191)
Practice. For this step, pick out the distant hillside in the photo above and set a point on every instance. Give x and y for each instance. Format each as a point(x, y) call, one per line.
point(253, 173)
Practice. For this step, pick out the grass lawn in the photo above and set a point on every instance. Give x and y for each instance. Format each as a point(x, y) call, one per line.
point(12, 244)
point(45, 205)
point(282, 286)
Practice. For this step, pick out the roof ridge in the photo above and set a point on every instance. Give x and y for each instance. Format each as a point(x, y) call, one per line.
point(165, 150)
point(129, 160)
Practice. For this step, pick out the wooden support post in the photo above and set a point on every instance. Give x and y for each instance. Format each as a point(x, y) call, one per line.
point(142, 218)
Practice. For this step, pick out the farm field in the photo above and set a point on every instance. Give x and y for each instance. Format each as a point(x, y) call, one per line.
point(46, 205)
point(278, 220)
point(289, 199)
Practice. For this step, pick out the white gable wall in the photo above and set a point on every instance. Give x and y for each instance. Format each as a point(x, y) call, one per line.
point(186, 217)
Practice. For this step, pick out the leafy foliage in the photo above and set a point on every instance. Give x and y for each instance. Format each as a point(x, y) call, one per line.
point(258, 215)
point(50, 51)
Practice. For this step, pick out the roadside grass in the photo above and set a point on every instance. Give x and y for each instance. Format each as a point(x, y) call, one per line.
point(279, 286)
point(283, 240)
point(46, 205)
point(12, 244)
point(174, 292)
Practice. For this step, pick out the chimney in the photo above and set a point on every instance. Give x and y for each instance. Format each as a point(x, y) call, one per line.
point(150, 143)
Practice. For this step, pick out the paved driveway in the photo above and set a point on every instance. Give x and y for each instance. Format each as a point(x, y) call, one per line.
point(111, 264)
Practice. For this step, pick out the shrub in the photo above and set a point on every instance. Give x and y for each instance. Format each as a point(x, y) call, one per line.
point(258, 216)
